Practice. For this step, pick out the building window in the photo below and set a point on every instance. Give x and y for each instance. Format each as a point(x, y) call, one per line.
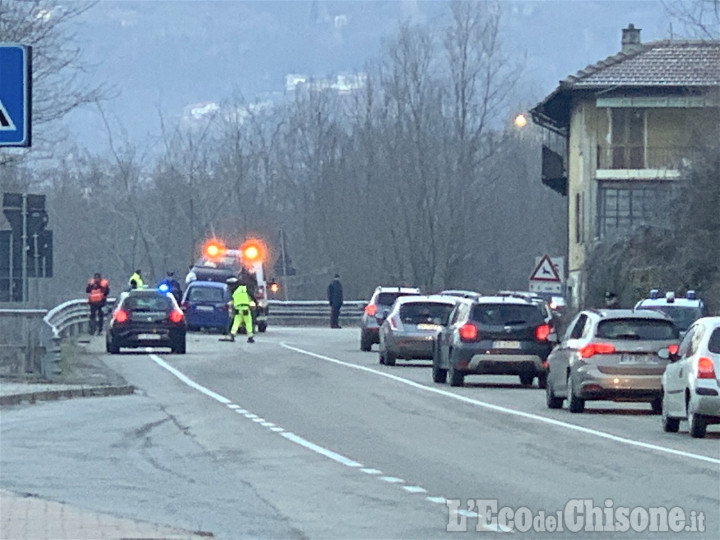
point(624, 206)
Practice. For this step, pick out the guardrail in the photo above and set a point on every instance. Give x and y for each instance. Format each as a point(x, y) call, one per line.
point(42, 331)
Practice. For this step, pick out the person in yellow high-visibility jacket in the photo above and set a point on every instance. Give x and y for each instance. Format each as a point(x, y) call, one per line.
point(243, 301)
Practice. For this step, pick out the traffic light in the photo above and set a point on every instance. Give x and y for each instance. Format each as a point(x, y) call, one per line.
point(253, 251)
point(213, 248)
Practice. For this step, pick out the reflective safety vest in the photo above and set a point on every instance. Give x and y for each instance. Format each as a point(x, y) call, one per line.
point(241, 297)
point(137, 279)
point(97, 293)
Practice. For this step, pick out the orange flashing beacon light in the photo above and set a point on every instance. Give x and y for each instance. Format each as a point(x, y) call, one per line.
point(213, 248)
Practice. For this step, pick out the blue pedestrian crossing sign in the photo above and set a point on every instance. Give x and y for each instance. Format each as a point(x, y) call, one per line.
point(15, 92)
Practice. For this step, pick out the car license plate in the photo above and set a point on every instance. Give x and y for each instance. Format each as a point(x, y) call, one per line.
point(506, 344)
point(626, 358)
point(424, 326)
point(204, 308)
point(148, 337)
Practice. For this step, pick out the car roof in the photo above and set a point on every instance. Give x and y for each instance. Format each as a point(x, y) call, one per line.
point(384, 288)
point(197, 283)
point(436, 298)
point(505, 299)
point(658, 302)
point(460, 292)
point(607, 314)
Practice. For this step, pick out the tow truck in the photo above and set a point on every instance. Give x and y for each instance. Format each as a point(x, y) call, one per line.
point(219, 263)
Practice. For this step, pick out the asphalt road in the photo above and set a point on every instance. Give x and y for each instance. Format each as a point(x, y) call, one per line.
point(302, 435)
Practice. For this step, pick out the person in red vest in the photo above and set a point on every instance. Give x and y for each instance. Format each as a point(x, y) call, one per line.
point(97, 290)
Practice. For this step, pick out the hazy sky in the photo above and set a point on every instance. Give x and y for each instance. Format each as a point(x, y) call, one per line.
point(165, 55)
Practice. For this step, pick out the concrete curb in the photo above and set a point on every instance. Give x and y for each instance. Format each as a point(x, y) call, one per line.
point(66, 393)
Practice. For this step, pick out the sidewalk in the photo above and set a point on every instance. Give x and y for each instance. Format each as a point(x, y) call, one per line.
point(83, 375)
point(24, 516)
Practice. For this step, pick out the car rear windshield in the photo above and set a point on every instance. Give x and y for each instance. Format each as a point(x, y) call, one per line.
point(388, 298)
point(205, 294)
point(507, 314)
point(425, 312)
point(227, 262)
point(683, 316)
point(714, 343)
point(149, 303)
point(637, 329)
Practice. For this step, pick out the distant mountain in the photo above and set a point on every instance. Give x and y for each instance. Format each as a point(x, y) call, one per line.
point(165, 56)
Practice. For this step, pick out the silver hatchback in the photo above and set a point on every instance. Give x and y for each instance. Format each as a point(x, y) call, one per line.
point(409, 329)
point(610, 355)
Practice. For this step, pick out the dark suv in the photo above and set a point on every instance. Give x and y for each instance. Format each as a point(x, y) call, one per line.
point(494, 335)
point(382, 299)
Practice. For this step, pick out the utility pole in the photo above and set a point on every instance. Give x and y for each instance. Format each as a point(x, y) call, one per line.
point(284, 263)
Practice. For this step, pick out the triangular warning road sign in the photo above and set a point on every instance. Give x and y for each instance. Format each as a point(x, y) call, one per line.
point(6, 123)
point(545, 271)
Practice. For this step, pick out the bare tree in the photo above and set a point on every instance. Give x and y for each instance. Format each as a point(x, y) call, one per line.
point(58, 74)
point(699, 18)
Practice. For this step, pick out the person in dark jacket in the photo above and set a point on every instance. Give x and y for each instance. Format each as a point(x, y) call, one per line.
point(611, 301)
point(172, 286)
point(97, 290)
point(335, 299)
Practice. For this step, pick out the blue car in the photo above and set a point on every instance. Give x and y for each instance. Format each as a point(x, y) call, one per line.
point(205, 304)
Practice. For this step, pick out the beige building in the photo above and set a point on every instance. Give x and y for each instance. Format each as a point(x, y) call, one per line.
point(618, 135)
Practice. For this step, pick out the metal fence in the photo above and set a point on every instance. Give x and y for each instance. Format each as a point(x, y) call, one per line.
point(30, 339)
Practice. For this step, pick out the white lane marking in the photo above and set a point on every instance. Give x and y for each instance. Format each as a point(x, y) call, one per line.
point(258, 420)
point(286, 434)
point(467, 513)
point(187, 380)
point(514, 412)
point(250, 415)
point(414, 489)
point(267, 424)
point(320, 450)
point(392, 480)
point(233, 406)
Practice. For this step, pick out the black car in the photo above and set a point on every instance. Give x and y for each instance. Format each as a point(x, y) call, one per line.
point(146, 318)
point(494, 335)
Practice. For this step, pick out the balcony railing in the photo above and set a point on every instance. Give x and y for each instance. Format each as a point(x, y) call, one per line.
point(625, 156)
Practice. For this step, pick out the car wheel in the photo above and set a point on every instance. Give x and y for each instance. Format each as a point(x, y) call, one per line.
point(670, 425)
point(457, 378)
point(381, 358)
point(526, 379)
point(551, 400)
point(698, 425)
point(439, 374)
point(262, 326)
point(111, 347)
point(179, 348)
point(542, 381)
point(575, 404)
point(365, 342)
point(657, 405)
point(390, 358)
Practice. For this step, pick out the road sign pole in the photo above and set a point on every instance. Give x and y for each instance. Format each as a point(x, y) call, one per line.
point(24, 249)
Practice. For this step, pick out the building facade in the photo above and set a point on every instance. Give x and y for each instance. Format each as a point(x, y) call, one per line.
point(623, 130)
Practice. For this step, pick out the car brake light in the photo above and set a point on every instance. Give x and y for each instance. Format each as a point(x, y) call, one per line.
point(468, 332)
point(176, 316)
point(120, 316)
point(705, 368)
point(542, 332)
point(596, 348)
point(370, 309)
point(673, 349)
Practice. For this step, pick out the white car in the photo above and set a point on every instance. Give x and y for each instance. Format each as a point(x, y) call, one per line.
point(691, 389)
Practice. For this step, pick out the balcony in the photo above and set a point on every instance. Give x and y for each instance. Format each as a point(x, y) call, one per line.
point(639, 157)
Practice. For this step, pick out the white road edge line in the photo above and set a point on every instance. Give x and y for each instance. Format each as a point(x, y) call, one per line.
point(320, 450)
point(514, 412)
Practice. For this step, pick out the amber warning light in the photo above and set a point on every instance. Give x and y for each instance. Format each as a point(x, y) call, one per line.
point(252, 251)
point(213, 248)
